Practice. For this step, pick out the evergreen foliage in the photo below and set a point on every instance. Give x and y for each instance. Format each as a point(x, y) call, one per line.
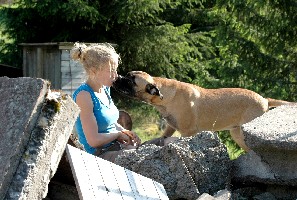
point(173, 39)
point(222, 43)
point(258, 46)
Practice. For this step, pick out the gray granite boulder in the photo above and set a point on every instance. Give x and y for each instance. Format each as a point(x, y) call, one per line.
point(273, 139)
point(35, 125)
point(20, 102)
point(187, 167)
point(274, 130)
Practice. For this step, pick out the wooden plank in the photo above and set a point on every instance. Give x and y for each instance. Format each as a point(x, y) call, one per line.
point(80, 176)
point(77, 68)
point(40, 44)
point(30, 62)
point(150, 190)
point(153, 189)
point(25, 66)
point(123, 182)
point(39, 62)
point(33, 62)
point(66, 45)
point(96, 179)
point(68, 66)
point(109, 179)
point(70, 74)
point(65, 63)
point(136, 185)
point(46, 69)
point(65, 69)
point(102, 179)
point(65, 54)
point(71, 84)
point(57, 65)
point(161, 190)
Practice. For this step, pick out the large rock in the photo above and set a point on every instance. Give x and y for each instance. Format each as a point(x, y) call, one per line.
point(20, 103)
point(275, 130)
point(273, 139)
point(187, 167)
point(35, 126)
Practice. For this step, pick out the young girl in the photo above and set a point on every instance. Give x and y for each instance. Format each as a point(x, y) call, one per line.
point(97, 127)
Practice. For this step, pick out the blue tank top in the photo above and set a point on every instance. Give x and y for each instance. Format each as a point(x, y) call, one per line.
point(106, 116)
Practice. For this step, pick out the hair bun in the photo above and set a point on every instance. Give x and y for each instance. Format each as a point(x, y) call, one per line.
point(77, 51)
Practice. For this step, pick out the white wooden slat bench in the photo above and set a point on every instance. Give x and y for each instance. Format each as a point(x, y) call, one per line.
point(97, 178)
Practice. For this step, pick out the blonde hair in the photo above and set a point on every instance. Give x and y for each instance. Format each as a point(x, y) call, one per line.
point(95, 56)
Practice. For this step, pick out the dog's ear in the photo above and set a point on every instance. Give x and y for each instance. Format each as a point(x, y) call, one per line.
point(153, 90)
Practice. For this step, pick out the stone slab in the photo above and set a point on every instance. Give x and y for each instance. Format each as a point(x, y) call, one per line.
point(45, 148)
point(269, 168)
point(275, 129)
point(20, 102)
point(187, 167)
point(250, 168)
point(273, 140)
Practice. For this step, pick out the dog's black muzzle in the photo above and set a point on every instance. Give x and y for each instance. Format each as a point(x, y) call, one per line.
point(124, 85)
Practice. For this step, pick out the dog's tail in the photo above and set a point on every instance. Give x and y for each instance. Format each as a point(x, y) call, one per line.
point(275, 102)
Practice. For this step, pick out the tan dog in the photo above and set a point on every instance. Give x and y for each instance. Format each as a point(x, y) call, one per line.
point(191, 109)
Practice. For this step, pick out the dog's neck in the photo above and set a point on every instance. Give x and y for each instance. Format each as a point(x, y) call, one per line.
point(162, 110)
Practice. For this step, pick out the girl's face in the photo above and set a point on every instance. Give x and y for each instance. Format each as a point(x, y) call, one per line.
point(108, 74)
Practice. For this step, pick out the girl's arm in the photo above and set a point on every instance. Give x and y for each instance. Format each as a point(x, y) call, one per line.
point(89, 124)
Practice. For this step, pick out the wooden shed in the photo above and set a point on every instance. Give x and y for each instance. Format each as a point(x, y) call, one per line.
point(51, 61)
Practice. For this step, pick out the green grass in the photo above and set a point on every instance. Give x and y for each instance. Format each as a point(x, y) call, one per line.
point(233, 149)
point(146, 120)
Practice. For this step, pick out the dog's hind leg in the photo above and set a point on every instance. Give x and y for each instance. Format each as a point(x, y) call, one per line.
point(238, 137)
point(168, 132)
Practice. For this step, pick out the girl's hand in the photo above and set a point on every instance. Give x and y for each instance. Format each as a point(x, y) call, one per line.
point(123, 138)
point(136, 141)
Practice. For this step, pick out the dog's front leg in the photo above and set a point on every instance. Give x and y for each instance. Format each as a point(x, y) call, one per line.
point(168, 132)
point(238, 137)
